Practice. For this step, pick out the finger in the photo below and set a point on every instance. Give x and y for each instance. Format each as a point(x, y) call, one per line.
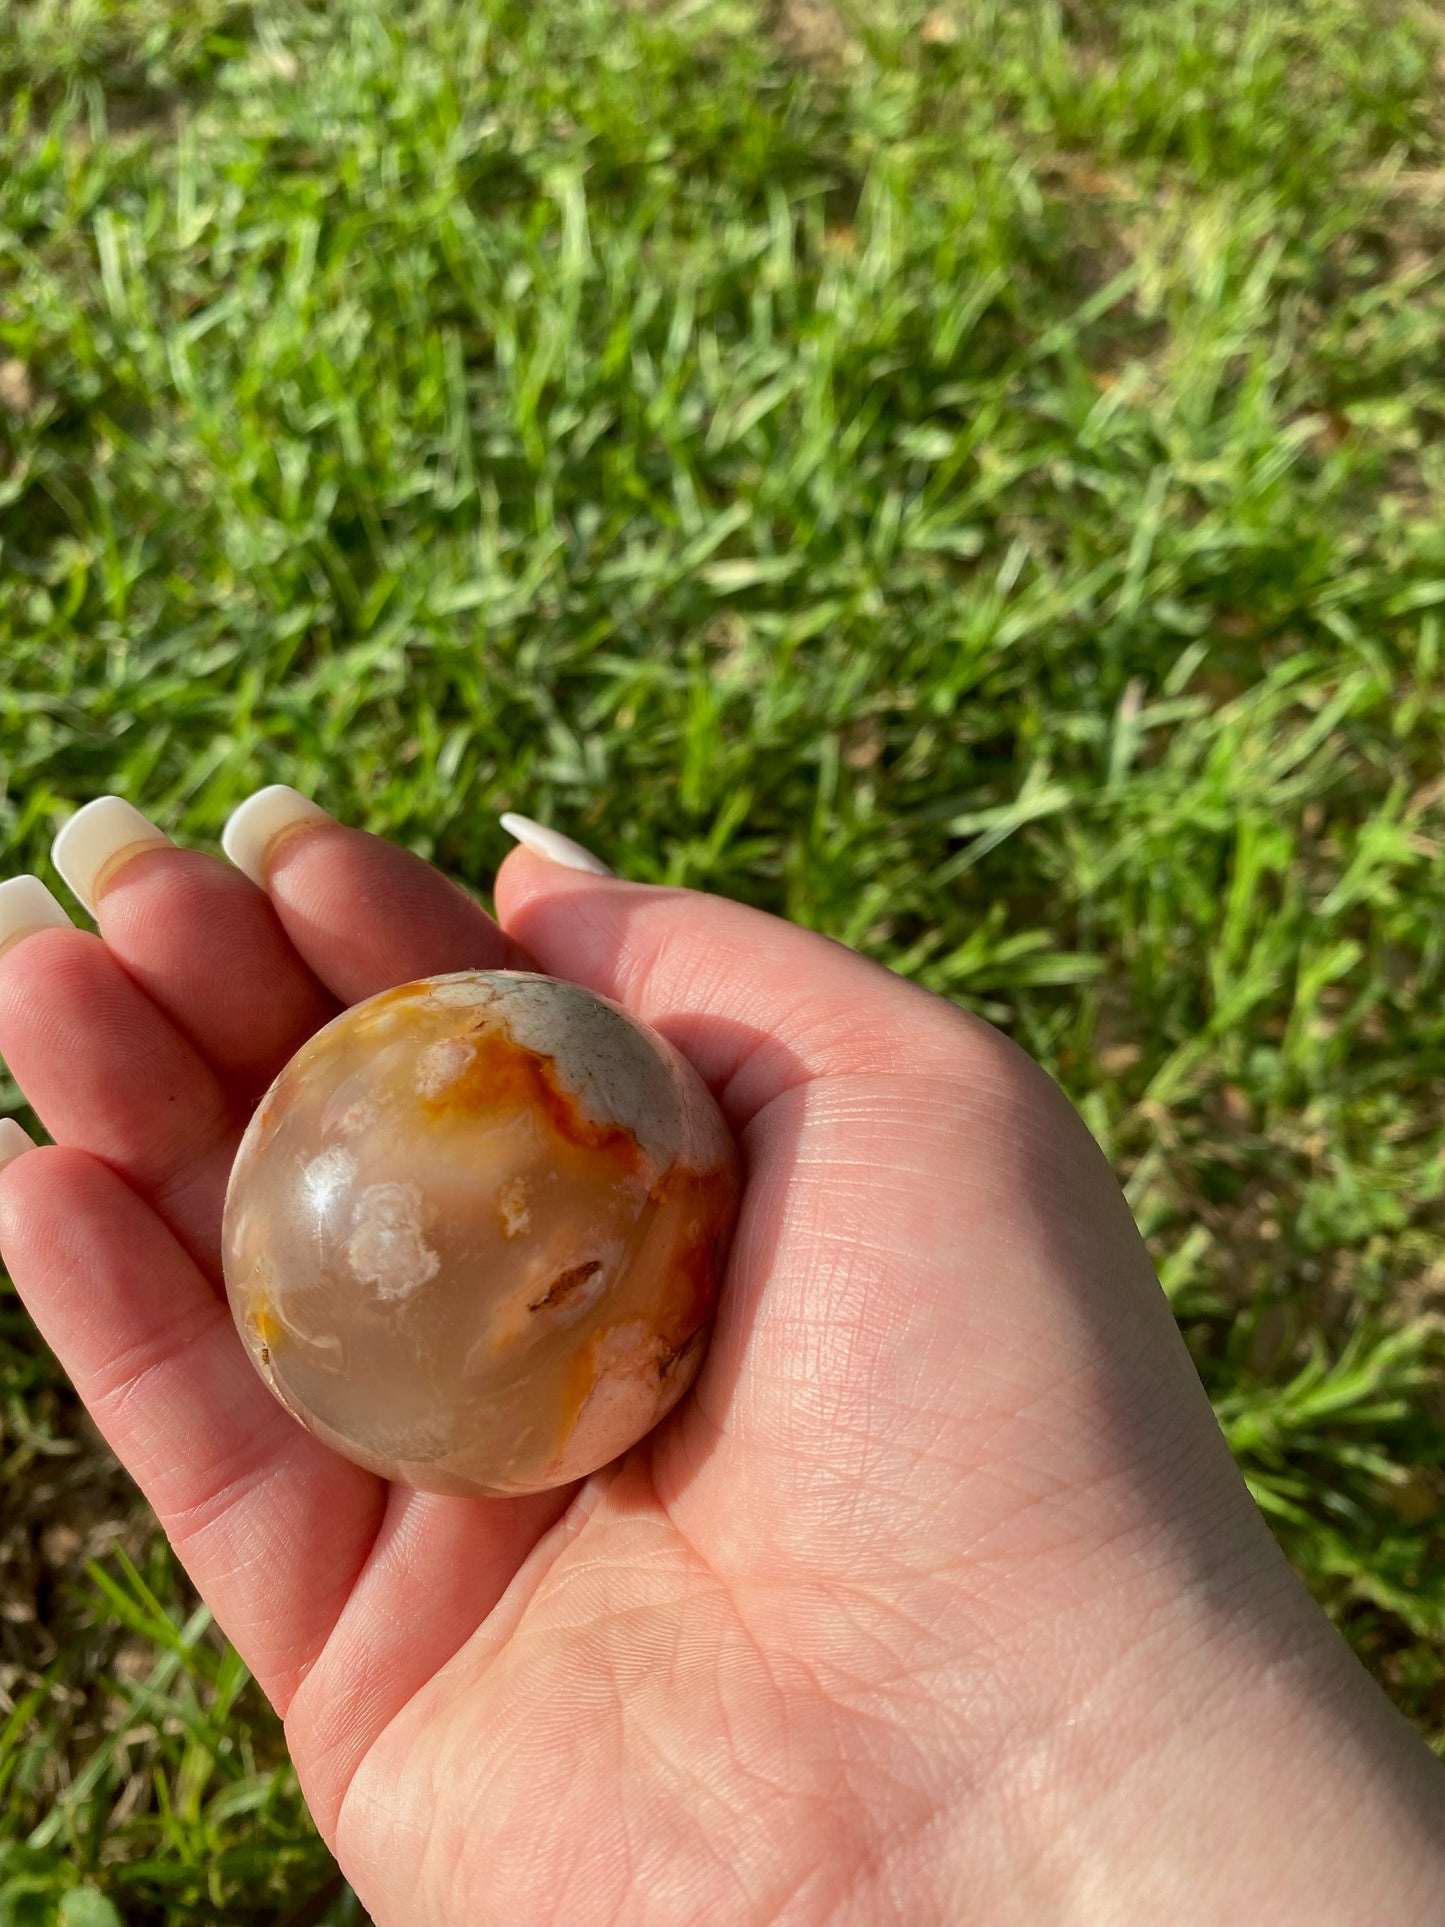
point(757, 1004)
point(198, 937)
point(342, 1594)
point(109, 1073)
point(363, 913)
point(437, 1569)
point(237, 1485)
point(26, 906)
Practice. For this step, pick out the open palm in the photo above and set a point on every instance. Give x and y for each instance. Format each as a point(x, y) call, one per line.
point(895, 1618)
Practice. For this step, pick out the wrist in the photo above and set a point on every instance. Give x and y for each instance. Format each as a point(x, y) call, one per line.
point(1245, 1767)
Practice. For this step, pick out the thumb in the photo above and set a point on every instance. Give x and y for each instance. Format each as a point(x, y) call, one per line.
point(956, 1190)
point(756, 1003)
point(936, 1259)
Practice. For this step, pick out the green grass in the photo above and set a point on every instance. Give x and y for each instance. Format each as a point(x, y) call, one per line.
point(970, 480)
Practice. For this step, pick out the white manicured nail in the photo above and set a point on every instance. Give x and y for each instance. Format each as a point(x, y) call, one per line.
point(98, 841)
point(552, 845)
point(25, 907)
point(14, 1141)
point(254, 826)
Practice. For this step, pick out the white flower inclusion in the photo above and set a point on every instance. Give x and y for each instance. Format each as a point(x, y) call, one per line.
point(441, 1064)
point(327, 1176)
point(386, 1249)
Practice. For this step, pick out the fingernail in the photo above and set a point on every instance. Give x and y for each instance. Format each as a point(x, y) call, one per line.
point(25, 907)
point(14, 1141)
point(98, 841)
point(255, 826)
point(552, 845)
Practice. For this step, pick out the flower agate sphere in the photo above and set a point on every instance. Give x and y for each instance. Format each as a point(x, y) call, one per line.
point(474, 1231)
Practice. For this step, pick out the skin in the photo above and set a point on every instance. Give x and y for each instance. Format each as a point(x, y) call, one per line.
point(939, 1601)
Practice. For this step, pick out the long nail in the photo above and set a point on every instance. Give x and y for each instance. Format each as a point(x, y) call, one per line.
point(25, 907)
point(15, 1141)
point(553, 845)
point(98, 841)
point(254, 827)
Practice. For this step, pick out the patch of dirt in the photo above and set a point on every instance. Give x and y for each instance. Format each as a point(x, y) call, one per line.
point(813, 33)
point(17, 390)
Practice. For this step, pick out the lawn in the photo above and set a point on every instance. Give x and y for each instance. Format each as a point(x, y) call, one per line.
point(968, 478)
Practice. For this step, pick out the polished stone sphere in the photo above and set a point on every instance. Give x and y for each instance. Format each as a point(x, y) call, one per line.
point(475, 1229)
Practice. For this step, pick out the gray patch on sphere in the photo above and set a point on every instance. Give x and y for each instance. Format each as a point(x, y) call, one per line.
point(604, 1060)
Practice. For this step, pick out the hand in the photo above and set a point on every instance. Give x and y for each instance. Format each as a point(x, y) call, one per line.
point(939, 1600)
